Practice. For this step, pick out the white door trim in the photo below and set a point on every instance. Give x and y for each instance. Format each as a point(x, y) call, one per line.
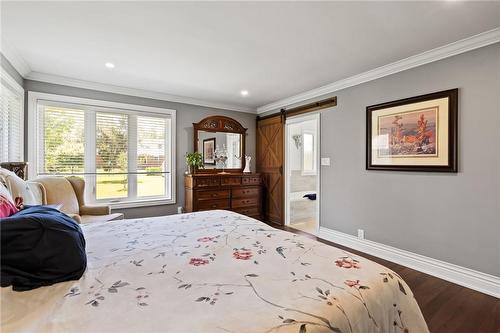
point(293, 120)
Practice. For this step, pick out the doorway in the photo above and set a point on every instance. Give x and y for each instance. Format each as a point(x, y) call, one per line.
point(302, 170)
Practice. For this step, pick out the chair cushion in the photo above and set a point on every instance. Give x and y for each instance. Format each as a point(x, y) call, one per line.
point(17, 187)
point(58, 190)
point(40, 246)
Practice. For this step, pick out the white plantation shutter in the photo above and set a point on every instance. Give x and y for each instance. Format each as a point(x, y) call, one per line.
point(11, 120)
point(151, 133)
point(152, 156)
point(62, 139)
point(124, 155)
point(111, 156)
point(111, 142)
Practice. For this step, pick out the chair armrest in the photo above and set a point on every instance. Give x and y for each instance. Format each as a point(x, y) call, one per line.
point(75, 217)
point(95, 210)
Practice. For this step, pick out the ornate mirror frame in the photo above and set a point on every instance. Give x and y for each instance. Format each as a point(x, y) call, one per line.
point(221, 124)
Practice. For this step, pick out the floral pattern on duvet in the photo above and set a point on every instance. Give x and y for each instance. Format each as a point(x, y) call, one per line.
point(219, 271)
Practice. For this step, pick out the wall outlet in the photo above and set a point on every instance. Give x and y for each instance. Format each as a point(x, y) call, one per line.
point(179, 210)
point(361, 234)
point(325, 161)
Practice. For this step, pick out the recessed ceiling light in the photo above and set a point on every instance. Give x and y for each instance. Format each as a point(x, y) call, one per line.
point(244, 93)
point(109, 65)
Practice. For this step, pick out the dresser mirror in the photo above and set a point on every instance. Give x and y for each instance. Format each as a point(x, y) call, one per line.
point(221, 141)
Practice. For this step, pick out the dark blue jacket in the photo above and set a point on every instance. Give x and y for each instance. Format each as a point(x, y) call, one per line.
point(40, 246)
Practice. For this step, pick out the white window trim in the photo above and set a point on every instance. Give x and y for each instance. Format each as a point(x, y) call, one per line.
point(34, 97)
point(20, 90)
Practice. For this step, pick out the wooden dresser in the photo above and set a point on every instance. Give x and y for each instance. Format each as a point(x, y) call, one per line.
point(239, 192)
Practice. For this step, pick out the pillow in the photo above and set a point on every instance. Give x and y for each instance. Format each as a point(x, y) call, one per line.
point(17, 187)
point(5, 192)
point(7, 208)
point(40, 246)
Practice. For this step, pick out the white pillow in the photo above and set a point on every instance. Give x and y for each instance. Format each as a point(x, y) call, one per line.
point(5, 193)
point(17, 187)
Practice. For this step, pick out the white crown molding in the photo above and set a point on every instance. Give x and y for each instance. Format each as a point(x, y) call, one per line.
point(11, 82)
point(11, 54)
point(62, 80)
point(468, 44)
point(485, 283)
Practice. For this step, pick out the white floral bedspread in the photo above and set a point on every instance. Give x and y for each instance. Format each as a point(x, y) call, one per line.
point(217, 272)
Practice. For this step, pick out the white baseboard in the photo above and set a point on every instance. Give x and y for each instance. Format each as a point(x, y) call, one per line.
point(485, 283)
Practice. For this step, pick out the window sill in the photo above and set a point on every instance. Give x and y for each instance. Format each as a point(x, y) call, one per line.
point(140, 203)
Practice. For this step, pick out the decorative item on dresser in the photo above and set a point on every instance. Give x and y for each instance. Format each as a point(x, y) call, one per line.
point(241, 193)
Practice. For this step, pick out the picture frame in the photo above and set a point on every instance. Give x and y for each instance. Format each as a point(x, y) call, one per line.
point(209, 151)
point(414, 134)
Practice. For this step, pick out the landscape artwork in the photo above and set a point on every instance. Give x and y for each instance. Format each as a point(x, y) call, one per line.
point(410, 133)
point(413, 134)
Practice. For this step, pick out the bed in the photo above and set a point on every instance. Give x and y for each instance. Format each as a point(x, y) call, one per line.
point(215, 271)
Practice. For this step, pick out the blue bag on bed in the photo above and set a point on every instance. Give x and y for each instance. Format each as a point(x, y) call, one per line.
point(40, 246)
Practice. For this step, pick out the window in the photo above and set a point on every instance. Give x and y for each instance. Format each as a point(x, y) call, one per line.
point(308, 154)
point(11, 120)
point(124, 152)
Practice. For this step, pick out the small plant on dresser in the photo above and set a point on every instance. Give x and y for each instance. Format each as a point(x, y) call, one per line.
point(194, 161)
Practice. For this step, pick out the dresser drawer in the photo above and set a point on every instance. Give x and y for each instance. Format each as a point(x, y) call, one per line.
point(207, 195)
point(237, 203)
point(250, 180)
point(252, 211)
point(213, 204)
point(231, 181)
point(246, 192)
point(207, 182)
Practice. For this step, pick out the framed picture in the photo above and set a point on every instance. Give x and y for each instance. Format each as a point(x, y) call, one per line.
point(413, 134)
point(209, 151)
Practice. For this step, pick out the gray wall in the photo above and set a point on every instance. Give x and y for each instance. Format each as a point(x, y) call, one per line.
point(451, 217)
point(186, 115)
point(11, 70)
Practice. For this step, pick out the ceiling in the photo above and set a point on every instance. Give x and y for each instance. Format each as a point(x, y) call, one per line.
point(212, 50)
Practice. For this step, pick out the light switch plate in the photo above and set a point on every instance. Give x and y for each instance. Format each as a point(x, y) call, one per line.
point(325, 161)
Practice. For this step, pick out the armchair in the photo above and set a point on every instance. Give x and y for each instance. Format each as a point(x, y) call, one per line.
point(68, 192)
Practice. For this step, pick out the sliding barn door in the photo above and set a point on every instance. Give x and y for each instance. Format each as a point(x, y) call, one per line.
point(270, 162)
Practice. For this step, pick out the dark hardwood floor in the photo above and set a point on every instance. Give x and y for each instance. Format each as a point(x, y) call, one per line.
point(447, 307)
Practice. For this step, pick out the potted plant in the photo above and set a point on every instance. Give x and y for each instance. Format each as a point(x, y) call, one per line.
point(194, 162)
